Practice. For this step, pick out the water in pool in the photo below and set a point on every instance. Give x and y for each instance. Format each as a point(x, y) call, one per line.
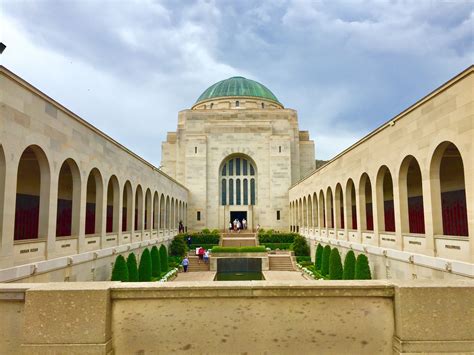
point(238, 276)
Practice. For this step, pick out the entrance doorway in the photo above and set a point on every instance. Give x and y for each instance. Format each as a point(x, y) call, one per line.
point(240, 215)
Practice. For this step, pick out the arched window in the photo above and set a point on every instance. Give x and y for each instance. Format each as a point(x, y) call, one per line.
point(234, 182)
point(69, 195)
point(411, 197)
point(386, 211)
point(351, 210)
point(365, 198)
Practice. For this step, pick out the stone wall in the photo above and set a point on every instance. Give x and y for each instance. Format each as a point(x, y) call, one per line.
point(365, 317)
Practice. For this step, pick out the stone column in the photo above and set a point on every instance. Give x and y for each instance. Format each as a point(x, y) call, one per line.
point(8, 215)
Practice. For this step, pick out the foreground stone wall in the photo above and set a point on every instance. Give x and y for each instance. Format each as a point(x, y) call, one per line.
point(365, 317)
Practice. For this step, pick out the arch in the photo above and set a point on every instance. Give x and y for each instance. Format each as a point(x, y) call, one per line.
point(339, 206)
point(138, 209)
point(305, 213)
point(315, 210)
point(94, 202)
point(162, 212)
point(411, 196)
point(148, 210)
point(156, 209)
point(32, 194)
point(310, 212)
point(127, 212)
point(365, 200)
point(330, 208)
point(448, 191)
point(322, 210)
point(351, 209)
point(167, 212)
point(69, 198)
point(113, 191)
point(385, 205)
point(3, 169)
point(236, 172)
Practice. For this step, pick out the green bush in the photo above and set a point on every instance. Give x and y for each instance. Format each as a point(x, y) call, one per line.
point(335, 265)
point(281, 246)
point(155, 262)
point(178, 246)
point(205, 246)
point(215, 231)
point(164, 259)
point(300, 246)
point(305, 263)
point(325, 260)
point(319, 257)
point(206, 231)
point(120, 270)
point(349, 266)
point(362, 269)
point(132, 267)
point(144, 269)
point(259, 249)
point(174, 262)
point(265, 238)
point(202, 238)
point(300, 259)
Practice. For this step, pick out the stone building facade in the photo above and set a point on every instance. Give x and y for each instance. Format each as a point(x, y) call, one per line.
point(238, 150)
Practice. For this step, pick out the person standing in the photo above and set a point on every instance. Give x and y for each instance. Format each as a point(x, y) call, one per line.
point(188, 241)
point(244, 223)
point(200, 254)
point(185, 263)
point(230, 227)
point(206, 257)
point(181, 227)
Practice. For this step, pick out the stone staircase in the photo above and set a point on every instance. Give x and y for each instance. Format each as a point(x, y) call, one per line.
point(195, 266)
point(281, 262)
point(239, 240)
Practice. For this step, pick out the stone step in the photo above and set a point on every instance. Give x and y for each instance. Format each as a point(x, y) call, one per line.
point(281, 263)
point(194, 265)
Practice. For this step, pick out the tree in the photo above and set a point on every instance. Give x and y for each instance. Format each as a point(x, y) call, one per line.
point(144, 269)
point(120, 271)
point(335, 265)
point(178, 246)
point(155, 262)
point(349, 266)
point(318, 261)
point(164, 259)
point(300, 246)
point(325, 261)
point(132, 267)
point(362, 269)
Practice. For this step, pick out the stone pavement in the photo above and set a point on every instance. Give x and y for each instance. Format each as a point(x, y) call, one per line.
point(196, 276)
point(284, 275)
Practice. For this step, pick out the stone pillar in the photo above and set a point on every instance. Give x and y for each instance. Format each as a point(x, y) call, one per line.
point(81, 238)
point(397, 210)
point(77, 322)
point(48, 211)
point(8, 215)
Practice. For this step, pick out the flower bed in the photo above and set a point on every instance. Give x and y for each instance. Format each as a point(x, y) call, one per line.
point(169, 275)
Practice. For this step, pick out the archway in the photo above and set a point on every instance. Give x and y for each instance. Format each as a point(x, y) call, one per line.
point(167, 212)
point(113, 191)
point(448, 191)
point(305, 213)
point(351, 210)
point(310, 212)
point(148, 214)
point(322, 210)
point(127, 212)
point(139, 209)
point(94, 202)
point(385, 205)
point(315, 211)
point(156, 210)
point(162, 211)
point(69, 195)
point(339, 200)
point(411, 197)
point(365, 198)
point(330, 208)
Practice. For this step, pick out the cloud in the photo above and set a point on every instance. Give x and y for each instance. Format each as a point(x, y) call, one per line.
point(346, 66)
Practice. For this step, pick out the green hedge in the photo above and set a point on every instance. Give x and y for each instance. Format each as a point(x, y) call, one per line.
point(163, 259)
point(271, 237)
point(120, 270)
point(203, 238)
point(132, 267)
point(362, 269)
point(319, 257)
point(178, 246)
point(349, 266)
point(281, 246)
point(155, 262)
point(300, 259)
point(335, 265)
point(300, 246)
point(144, 269)
point(259, 249)
point(174, 262)
point(325, 260)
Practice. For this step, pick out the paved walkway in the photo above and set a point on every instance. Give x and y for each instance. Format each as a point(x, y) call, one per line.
point(283, 276)
point(196, 276)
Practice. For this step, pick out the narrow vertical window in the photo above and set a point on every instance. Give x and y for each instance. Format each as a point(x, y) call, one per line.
point(224, 170)
point(252, 171)
point(237, 104)
point(198, 215)
point(279, 149)
point(212, 105)
point(246, 192)
point(195, 150)
point(224, 192)
point(237, 192)
point(231, 191)
point(252, 191)
point(278, 215)
point(237, 166)
point(231, 167)
point(244, 167)
point(263, 105)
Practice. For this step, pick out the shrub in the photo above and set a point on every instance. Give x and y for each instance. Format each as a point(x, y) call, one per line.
point(281, 246)
point(215, 231)
point(218, 249)
point(300, 259)
point(362, 269)
point(201, 238)
point(144, 269)
point(120, 270)
point(325, 261)
point(335, 265)
point(349, 266)
point(300, 246)
point(178, 246)
point(174, 262)
point(155, 262)
point(206, 231)
point(265, 238)
point(132, 267)
point(318, 261)
point(164, 258)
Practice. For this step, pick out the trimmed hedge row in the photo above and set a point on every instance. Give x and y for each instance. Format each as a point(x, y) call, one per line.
point(329, 265)
point(205, 246)
point(204, 237)
point(271, 237)
point(281, 246)
point(260, 249)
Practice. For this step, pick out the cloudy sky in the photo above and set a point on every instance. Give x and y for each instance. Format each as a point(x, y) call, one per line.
point(128, 66)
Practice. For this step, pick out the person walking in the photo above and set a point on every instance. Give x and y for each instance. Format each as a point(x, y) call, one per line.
point(185, 263)
point(200, 254)
point(206, 257)
point(188, 241)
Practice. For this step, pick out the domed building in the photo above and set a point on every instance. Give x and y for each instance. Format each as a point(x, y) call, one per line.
point(238, 150)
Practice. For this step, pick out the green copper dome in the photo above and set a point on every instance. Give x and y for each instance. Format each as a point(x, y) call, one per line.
point(237, 86)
